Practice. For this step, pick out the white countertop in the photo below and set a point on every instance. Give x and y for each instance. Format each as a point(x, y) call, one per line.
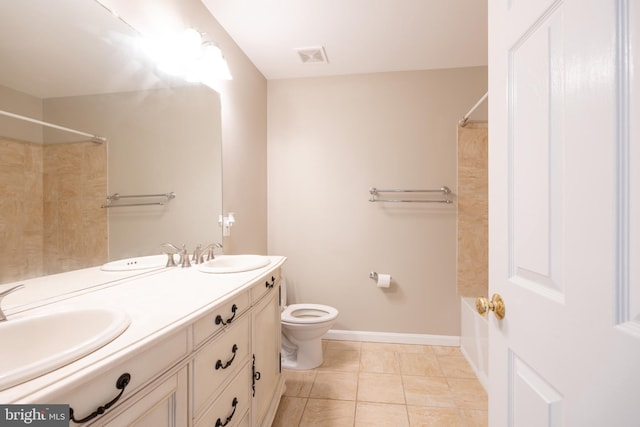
point(158, 302)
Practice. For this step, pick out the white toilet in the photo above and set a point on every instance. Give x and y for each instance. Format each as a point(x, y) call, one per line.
point(303, 325)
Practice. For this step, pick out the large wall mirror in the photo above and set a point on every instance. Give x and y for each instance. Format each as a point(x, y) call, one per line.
point(73, 64)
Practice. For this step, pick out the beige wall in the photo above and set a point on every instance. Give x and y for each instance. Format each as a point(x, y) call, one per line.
point(330, 140)
point(244, 117)
point(159, 141)
point(20, 103)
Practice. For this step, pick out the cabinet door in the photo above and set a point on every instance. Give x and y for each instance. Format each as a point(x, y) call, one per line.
point(162, 405)
point(266, 351)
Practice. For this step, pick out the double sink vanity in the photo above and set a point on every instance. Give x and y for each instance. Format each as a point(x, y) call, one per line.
point(148, 345)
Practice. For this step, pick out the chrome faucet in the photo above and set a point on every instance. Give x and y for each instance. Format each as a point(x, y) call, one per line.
point(4, 294)
point(199, 253)
point(170, 250)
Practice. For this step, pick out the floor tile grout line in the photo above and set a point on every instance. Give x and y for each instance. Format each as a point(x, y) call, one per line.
point(355, 406)
point(404, 395)
point(396, 350)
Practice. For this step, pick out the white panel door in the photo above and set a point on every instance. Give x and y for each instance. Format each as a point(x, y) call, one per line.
point(564, 216)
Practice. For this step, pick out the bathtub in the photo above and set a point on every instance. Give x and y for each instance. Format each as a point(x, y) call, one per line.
point(474, 339)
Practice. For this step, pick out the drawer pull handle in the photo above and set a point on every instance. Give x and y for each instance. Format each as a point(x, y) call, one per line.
point(219, 364)
point(219, 422)
point(121, 384)
point(255, 376)
point(270, 285)
point(219, 319)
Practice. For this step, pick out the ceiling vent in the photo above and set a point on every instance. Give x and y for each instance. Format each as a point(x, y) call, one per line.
point(312, 55)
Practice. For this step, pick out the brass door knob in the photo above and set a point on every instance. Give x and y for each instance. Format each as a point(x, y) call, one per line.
point(483, 306)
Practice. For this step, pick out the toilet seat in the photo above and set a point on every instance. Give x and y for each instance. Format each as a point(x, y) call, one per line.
point(308, 314)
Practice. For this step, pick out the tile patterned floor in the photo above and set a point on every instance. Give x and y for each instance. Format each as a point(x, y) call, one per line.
point(363, 384)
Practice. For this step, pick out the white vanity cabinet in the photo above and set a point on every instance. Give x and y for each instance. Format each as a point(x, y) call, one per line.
point(228, 380)
point(156, 379)
point(266, 351)
point(162, 405)
point(217, 364)
point(215, 361)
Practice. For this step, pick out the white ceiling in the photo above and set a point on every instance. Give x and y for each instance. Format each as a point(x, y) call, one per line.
point(40, 45)
point(359, 36)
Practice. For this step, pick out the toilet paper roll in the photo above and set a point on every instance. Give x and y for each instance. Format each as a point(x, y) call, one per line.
point(384, 280)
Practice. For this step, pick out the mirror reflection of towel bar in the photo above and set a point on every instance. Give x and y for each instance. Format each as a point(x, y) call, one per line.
point(413, 201)
point(131, 204)
point(443, 190)
point(118, 196)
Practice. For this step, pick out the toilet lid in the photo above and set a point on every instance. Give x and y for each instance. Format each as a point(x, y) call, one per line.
point(308, 313)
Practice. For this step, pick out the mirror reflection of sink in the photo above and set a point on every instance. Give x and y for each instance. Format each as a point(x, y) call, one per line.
point(234, 263)
point(36, 344)
point(138, 263)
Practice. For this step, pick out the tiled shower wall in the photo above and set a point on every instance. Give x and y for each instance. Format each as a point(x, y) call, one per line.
point(473, 210)
point(21, 223)
point(50, 216)
point(75, 185)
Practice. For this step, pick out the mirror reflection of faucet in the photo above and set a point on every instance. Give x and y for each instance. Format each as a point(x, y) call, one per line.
point(184, 257)
point(200, 254)
point(4, 294)
point(170, 250)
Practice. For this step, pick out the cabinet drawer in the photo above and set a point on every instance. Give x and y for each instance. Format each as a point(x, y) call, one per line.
point(159, 405)
point(268, 283)
point(218, 361)
point(232, 404)
point(142, 367)
point(220, 317)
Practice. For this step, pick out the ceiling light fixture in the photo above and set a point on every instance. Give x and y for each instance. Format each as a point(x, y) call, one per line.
point(189, 56)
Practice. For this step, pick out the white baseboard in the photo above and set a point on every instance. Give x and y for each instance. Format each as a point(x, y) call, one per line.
point(388, 337)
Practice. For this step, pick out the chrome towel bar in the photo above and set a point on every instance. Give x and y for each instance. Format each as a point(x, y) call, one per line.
point(117, 196)
point(374, 192)
point(132, 204)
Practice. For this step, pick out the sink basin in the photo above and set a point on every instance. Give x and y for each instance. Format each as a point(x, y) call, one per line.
point(36, 344)
point(234, 263)
point(138, 263)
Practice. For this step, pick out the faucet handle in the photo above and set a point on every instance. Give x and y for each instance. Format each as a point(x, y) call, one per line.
point(169, 251)
point(209, 251)
point(4, 294)
point(171, 262)
point(212, 248)
point(197, 254)
point(170, 248)
point(184, 257)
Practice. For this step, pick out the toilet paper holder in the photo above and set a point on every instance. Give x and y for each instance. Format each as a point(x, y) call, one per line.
point(382, 280)
point(373, 275)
